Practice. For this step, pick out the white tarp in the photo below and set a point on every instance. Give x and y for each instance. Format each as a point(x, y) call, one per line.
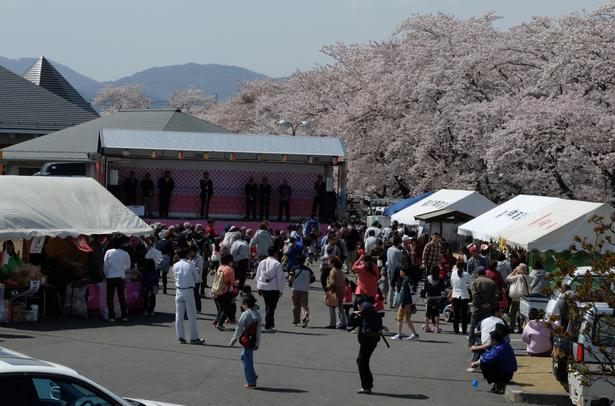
point(464, 201)
point(33, 206)
point(488, 226)
point(555, 226)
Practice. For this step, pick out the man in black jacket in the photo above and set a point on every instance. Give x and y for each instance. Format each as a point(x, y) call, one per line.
point(264, 197)
point(130, 189)
point(165, 188)
point(207, 191)
point(147, 188)
point(250, 192)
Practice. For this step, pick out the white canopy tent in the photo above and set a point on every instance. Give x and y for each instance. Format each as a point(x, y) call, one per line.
point(488, 226)
point(62, 207)
point(555, 226)
point(465, 201)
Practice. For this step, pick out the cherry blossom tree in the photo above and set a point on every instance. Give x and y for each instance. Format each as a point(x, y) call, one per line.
point(190, 101)
point(110, 99)
point(446, 102)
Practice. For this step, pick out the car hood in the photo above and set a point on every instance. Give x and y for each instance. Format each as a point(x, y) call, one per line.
point(152, 402)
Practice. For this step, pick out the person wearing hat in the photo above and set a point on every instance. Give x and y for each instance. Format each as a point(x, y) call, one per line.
point(484, 300)
point(476, 260)
point(186, 277)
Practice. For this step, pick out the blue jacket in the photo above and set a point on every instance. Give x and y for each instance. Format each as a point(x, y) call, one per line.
point(502, 356)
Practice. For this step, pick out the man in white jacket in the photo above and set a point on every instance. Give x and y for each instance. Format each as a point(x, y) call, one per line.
point(270, 284)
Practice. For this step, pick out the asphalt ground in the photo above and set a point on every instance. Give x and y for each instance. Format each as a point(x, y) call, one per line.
point(142, 358)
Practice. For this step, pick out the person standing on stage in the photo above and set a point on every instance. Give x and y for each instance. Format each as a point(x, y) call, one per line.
point(284, 193)
point(264, 197)
point(165, 188)
point(207, 191)
point(130, 189)
point(320, 187)
point(147, 188)
point(250, 192)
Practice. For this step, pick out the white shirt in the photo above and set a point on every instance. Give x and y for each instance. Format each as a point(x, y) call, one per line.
point(461, 284)
point(185, 273)
point(486, 327)
point(116, 263)
point(269, 275)
point(370, 242)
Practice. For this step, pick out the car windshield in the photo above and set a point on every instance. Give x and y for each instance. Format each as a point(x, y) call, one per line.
point(604, 331)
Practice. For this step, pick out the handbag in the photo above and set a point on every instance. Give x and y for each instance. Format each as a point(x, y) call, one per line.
point(519, 288)
point(331, 299)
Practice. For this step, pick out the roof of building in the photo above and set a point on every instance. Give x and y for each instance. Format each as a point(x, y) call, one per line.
point(121, 139)
point(43, 74)
point(28, 108)
point(74, 143)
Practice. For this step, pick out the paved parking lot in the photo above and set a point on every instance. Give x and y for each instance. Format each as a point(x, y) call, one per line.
point(141, 358)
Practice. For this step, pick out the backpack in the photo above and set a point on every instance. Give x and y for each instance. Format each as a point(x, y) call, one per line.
point(371, 323)
point(219, 287)
point(248, 338)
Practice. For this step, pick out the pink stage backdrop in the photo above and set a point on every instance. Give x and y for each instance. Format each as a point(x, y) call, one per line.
point(228, 197)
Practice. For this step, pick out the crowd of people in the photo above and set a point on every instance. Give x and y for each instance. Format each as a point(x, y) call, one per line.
point(362, 269)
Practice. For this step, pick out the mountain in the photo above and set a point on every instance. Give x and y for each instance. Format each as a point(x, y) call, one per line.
point(158, 83)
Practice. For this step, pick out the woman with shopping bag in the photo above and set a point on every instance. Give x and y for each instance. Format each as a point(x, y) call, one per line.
point(519, 286)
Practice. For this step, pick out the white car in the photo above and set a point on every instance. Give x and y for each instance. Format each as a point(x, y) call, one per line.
point(25, 381)
point(572, 281)
point(593, 348)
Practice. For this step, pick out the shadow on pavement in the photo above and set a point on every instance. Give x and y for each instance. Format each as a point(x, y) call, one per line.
point(60, 323)
point(401, 396)
point(298, 333)
point(15, 336)
point(279, 390)
point(420, 340)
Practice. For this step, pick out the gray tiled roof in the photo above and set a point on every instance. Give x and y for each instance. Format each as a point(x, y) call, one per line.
point(76, 142)
point(26, 107)
point(221, 142)
point(43, 74)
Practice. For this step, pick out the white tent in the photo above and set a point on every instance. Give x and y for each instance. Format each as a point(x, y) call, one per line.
point(464, 201)
point(488, 226)
point(33, 206)
point(555, 226)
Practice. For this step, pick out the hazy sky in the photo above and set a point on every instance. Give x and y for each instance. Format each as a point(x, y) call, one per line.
point(108, 39)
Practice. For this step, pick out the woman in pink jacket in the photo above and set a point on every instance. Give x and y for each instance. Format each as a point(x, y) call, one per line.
point(537, 336)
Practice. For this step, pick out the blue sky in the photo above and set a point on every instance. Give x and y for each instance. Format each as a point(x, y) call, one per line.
point(113, 38)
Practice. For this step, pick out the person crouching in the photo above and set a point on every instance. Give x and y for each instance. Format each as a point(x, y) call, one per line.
point(498, 364)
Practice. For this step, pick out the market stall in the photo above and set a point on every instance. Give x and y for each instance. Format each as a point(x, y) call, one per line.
point(488, 226)
point(551, 231)
point(48, 221)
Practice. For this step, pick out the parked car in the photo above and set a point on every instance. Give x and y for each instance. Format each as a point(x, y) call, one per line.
point(25, 381)
point(593, 350)
point(62, 169)
point(572, 282)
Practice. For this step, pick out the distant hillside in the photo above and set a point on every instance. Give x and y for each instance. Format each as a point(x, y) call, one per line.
point(159, 83)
